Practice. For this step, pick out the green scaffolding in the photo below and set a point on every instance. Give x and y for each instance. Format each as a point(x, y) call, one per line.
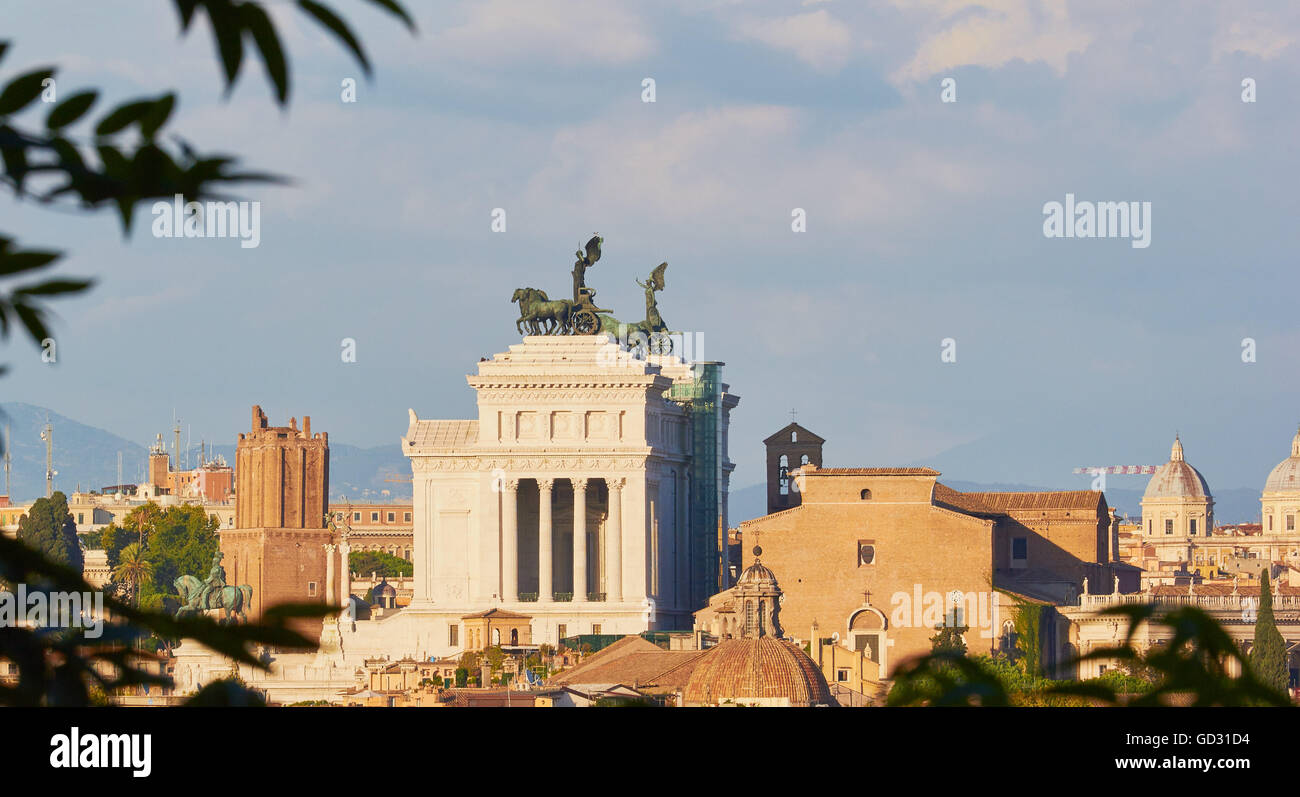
point(702, 398)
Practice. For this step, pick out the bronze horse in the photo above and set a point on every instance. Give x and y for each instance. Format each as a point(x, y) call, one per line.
point(535, 308)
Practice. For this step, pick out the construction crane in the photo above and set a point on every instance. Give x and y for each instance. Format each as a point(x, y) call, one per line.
point(1128, 470)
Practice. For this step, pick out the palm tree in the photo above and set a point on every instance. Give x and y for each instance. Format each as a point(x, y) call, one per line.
point(133, 569)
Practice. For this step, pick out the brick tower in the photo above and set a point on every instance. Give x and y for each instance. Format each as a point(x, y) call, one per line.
point(787, 450)
point(279, 543)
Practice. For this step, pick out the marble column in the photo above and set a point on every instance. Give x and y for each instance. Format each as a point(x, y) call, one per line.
point(345, 573)
point(614, 542)
point(329, 573)
point(545, 587)
point(579, 539)
point(510, 540)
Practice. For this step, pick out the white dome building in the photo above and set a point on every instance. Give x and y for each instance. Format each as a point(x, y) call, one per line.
point(1280, 501)
point(1177, 503)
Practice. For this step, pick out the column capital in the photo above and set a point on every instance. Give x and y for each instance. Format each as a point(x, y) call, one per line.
point(545, 483)
point(615, 483)
point(579, 483)
point(330, 547)
point(510, 483)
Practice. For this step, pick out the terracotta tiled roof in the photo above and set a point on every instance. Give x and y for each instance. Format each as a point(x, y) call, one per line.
point(1054, 499)
point(964, 502)
point(634, 664)
point(1007, 503)
point(756, 668)
point(461, 698)
point(871, 471)
point(623, 647)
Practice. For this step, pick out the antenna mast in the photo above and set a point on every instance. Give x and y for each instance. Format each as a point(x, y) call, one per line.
point(48, 436)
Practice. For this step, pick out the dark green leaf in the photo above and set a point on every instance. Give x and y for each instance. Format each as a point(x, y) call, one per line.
point(268, 42)
point(186, 9)
point(15, 161)
point(70, 110)
point(22, 90)
point(228, 29)
point(393, 7)
point(157, 115)
point(123, 115)
point(52, 287)
point(340, 29)
point(16, 262)
point(33, 320)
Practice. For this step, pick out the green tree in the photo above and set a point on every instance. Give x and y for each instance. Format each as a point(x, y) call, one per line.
point(138, 525)
point(182, 542)
point(380, 562)
point(179, 540)
point(495, 657)
point(949, 639)
point(1268, 654)
point(133, 570)
point(462, 677)
point(48, 527)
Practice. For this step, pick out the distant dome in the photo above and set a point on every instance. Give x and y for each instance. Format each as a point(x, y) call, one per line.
point(1286, 476)
point(762, 669)
point(1177, 479)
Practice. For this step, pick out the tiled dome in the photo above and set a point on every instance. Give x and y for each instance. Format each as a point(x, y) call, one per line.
point(1177, 479)
point(764, 668)
point(1286, 476)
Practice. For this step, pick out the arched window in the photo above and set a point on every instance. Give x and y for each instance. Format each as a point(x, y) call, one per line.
point(514, 636)
point(749, 615)
point(803, 460)
point(496, 636)
point(783, 475)
point(762, 618)
point(1007, 641)
point(866, 495)
point(794, 437)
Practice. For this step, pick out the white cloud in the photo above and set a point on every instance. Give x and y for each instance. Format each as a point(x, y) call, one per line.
point(1253, 38)
point(816, 38)
point(564, 31)
point(992, 33)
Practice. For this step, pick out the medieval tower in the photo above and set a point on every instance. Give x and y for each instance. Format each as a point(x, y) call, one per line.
point(281, 545)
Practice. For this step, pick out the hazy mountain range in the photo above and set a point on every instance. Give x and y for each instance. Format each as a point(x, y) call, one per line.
point(86, 456)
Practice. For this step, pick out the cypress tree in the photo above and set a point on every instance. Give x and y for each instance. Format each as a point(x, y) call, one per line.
point(1268, 655)
point(49, 528)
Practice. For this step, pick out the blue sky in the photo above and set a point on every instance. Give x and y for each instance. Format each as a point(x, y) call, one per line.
point(924, 221)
